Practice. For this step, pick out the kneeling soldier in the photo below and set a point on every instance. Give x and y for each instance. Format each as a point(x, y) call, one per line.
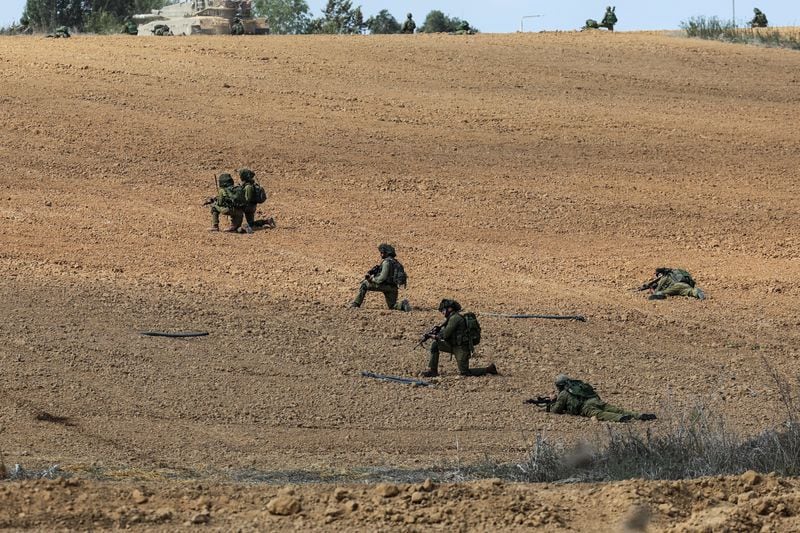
point(454, 336)
point(384, 277)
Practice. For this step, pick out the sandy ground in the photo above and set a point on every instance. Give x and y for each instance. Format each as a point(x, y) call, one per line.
point(540, 173)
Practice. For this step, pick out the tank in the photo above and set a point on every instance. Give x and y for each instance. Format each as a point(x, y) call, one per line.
point(206, 17)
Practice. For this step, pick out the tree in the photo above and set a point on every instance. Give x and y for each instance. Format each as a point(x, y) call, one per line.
point(49, 14)
point(284, 16)
point(338, 17)
point(437, 22)
point(383, 22)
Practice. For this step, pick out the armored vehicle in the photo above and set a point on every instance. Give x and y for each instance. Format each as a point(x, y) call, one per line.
point(209, 17)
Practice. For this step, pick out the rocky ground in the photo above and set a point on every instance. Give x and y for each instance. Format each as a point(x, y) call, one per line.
point(544, 173)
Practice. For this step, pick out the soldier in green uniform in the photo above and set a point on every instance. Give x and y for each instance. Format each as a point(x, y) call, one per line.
point(60, 32)
point(237, 28)
point(382, 278)
point(609, 19)
point(672, 282)
point(464, 29)
point(129, 27)
point(408, 25)
point(161, 30)
point(248, 185)
point(759, 19)
point(229, 201)
point(575, 397)
point(453, 337)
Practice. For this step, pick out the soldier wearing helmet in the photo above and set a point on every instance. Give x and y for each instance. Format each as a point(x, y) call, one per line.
point(384, 277)
point(453, 337)
point(576, 397)
point(229, 201)
point(247, 178)
point(408, 25)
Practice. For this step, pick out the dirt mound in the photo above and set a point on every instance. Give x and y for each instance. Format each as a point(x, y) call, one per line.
point(543, 173)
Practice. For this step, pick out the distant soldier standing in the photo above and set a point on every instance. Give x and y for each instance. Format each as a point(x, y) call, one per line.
point(576, 397)
point(609, 19)
point(129, 27)
point(229, 201)
point(408, 25)
point(455, 336)
point(384, 277)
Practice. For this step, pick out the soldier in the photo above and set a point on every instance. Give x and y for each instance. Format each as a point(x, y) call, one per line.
point(575, 397)
point(229, 201)
point(237, 28)
point(454, 337)
point(759, 20)
point(672, 282)
point(247, 177)
point(609, 19)
point(408, 25)
point(129, 27)
point(161, 30)
point(384, 278)
point(60, 32)
point(464, 29)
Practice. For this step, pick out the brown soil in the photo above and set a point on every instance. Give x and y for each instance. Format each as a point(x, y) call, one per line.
point(542, 173)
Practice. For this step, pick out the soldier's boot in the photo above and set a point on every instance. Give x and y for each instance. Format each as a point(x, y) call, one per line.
point(354, 305)
point(699, 294)
point(245, 229)
point(657, 296)
point(231, 229)
point(430, 373)
point(625, 418)
point(491, 369)
point(270, 223)
point(647, 416)
point(215, 227)
point(405, 306)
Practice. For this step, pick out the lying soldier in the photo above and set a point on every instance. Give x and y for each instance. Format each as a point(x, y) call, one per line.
point(576, 397)
point(672, 282)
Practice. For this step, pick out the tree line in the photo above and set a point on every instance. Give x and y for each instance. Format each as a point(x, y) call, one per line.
point(284, 16)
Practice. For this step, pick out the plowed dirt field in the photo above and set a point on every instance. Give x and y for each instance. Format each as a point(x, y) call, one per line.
point(530, 173)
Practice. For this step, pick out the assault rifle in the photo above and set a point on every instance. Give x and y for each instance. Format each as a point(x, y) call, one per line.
point(372, 272)
point(540, 400)
point(647, 285)
point(430, 334)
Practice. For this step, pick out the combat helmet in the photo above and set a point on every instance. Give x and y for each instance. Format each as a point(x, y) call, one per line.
point(444, 304)
point(408, 16)
point(386, 249)
point(225, 180)
point(561, 381)
point(246, 174)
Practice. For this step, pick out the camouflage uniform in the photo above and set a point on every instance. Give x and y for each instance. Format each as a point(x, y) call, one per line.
point(237, 28)
point(129, 27)
point(408, 25)
point(453, 338)
point(576, 397)
point(228, 197)
point(247, 177)
point(161, 30)
point(383, 282)
point(759, 20)
point(675, 282)
point(609, 19)
point(60, 32)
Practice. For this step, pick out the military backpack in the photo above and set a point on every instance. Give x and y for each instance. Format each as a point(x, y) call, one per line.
point(233, 197)
point(473, 328)
point(680, 275)
point(399, 276)
point(260, 193)
point(580, 389)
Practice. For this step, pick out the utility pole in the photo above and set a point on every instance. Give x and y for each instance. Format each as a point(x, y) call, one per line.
point(522, 20)
point(733, 2)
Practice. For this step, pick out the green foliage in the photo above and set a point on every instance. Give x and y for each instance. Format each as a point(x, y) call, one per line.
point(102, 22)
point(284, 16)
point(339, 16)
point(382, 23)
point(438, 22)
point(100, 16)
point(714, 29)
